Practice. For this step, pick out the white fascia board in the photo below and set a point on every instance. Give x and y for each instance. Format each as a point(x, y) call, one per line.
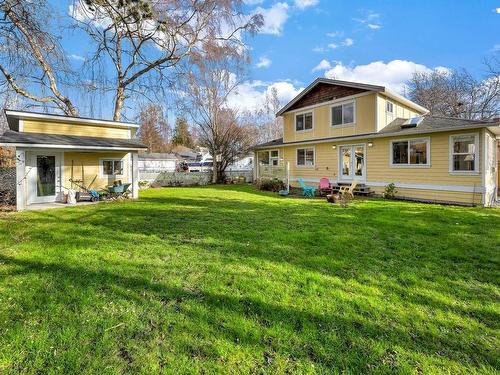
point(38, 116)
point(69, 147)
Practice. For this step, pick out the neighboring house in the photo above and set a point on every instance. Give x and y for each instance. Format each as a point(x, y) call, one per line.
point(157, 162)
point(243, 164)
point(53, 149)
point(350, 131)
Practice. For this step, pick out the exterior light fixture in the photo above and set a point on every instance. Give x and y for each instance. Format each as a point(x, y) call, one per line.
point(334, 147)
point(370, 144)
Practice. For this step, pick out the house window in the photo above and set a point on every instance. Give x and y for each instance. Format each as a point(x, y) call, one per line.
point(389, 107)
point(304, 121)
point(112, 167)
point(305, 157)
point(464, 153)
point(410, 152)
point(342, 114)
point(274, 157)
point(269, 157)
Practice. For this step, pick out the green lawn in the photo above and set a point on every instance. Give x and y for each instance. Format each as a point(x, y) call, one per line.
point(226, 279)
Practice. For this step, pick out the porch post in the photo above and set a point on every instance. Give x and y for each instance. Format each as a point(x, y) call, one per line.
point(21, 177)
point(135, 174)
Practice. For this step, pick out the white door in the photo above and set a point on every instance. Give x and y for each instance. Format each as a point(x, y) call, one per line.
point(44, 183)
point(352, 163)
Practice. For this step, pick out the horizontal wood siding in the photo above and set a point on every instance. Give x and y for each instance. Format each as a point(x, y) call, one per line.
point(365, 121)
point(379, 170)
point(378, 159)
point(91, 168)
point(50, 127)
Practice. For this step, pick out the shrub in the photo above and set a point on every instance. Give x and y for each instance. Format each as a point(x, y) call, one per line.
point(390, 191)
point(270, 184)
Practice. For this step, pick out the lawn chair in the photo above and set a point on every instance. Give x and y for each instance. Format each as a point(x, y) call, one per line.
point(307, 191)
point(324, 186)
point(348, 190)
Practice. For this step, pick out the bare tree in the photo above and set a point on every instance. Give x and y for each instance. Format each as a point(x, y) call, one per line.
point(213, 77)
point(146, 38)
point(457, 93)
point(153, 128)
point(32, 61)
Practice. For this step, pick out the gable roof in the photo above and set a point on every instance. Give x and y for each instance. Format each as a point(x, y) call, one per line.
point(356, 85)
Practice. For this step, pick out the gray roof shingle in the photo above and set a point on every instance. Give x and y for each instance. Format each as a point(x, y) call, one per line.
point(38, 139)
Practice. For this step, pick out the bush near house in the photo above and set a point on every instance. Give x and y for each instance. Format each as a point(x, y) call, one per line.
point(270, 184)
point(232, 280)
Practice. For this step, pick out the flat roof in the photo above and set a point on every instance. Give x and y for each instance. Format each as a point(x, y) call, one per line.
point(15, 114)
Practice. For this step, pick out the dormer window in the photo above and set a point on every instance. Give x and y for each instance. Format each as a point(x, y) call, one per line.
point(389, 108)
point(342, 114)
point(303, 121)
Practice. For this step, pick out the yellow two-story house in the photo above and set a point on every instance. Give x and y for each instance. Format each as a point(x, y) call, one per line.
point(347, 131)
point(57, 153)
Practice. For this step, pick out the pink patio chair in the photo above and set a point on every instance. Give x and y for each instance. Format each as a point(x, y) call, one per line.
point(325, 186)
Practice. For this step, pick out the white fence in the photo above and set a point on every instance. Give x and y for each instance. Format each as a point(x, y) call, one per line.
point(188, 178)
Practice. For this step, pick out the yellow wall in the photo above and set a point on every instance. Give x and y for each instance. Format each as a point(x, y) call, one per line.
point(378, 169)
point(400, 110)
point(50, 127)
point(365, 121)
point(91, 168)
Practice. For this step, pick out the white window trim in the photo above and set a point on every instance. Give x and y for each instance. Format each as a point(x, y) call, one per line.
point(476, 155)
point(297, 157)
point(346, 124)
point(389, 112)
point(269, 156)
point(427, 165)
point(274, 158)
point(101, 167)
point(295, 122)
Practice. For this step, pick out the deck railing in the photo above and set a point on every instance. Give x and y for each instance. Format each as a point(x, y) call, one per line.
point(272, 171)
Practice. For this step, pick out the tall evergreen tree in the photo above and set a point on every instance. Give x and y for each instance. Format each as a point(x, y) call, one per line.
point(182, 135)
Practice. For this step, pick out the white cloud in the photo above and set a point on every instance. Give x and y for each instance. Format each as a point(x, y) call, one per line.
point(253, 2)
point(251, 95)
point(497, 10)
point(334, 34)
point(371, 20)
point(305, 3)
point(263, 62)
point(348, 42)
point(323, 65)
point(319, 49)
point(393, 74)
point(274, 18)
point(76, 57)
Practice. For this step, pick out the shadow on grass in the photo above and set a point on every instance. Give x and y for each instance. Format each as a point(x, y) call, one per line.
point(348, 328)
point(387, 264)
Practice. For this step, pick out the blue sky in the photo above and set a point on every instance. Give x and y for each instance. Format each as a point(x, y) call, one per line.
point(381, 42)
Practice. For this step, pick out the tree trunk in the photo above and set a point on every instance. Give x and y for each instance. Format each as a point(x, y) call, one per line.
point(119, 99)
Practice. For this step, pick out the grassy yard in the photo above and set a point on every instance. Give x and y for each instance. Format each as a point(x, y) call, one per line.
point(226, 279)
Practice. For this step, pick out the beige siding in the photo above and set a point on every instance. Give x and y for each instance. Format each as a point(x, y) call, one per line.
point(91, 168)
point(50, 127)
point(400, 110)
point(430, 183)
point(364, 121)
point(378, 168)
